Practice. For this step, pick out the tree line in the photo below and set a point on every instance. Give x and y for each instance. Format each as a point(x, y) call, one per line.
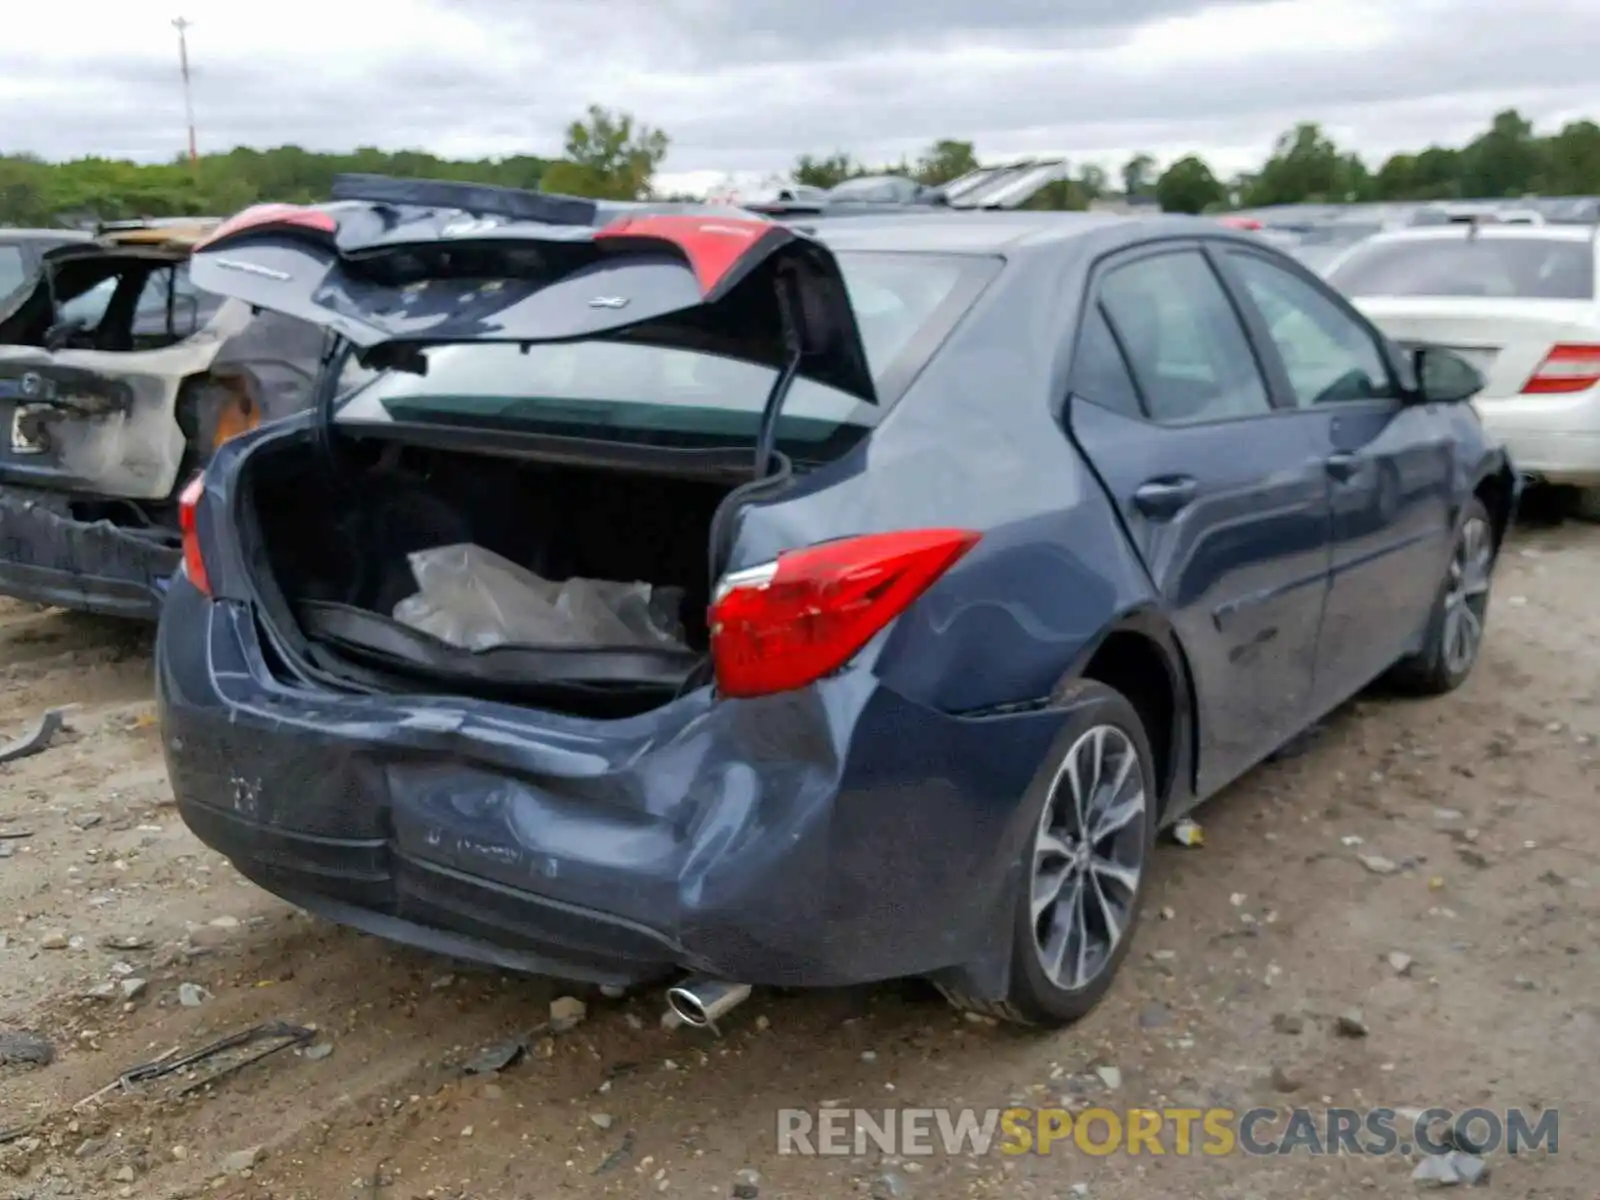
point(1508, 159)
point(611, 155)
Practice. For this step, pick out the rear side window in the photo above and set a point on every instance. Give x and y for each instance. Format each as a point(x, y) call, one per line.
point(1526, 268)
point(1328, 355)
point(905, 305)
point(89, 308)
point(1099, 372)
point(13, 270)
point(1183, 340)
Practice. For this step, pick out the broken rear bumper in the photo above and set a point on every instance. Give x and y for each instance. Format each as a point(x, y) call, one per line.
point(824, 837)
point(47, 556)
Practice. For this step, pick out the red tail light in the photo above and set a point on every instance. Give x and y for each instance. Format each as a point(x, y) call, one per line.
point(193, 565)
point(259, 216)
point(790, 622)
point(1567, 368)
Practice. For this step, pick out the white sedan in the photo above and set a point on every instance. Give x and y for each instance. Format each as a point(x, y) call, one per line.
point(1519, 302)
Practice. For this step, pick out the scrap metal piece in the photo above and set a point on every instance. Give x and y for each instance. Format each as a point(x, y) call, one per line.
point(286, 1035)
point(39, 737)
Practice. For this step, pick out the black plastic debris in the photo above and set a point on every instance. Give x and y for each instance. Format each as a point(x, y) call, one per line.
point(38, 737)
point(496, 1057)
point(274, 1036)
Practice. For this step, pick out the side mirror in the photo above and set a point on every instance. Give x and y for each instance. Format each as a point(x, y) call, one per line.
point(1444, 377)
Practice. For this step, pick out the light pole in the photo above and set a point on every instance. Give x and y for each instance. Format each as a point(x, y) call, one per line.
point(182, 24)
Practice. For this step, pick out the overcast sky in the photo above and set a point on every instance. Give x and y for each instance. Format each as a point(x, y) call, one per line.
point(746, 85)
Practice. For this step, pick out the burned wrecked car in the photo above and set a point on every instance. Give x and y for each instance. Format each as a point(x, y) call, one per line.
point(118, 378)
point(693, 594)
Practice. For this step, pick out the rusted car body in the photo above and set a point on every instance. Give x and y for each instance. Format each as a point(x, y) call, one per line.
point(118, 379)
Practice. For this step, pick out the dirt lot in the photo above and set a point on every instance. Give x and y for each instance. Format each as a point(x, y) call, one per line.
point(1274, 925)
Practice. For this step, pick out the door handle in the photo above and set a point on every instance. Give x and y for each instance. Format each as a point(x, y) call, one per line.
point(1343, 465)
point(1162, 499)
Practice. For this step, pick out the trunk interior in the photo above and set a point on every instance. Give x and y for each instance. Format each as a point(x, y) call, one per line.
point(330, 551)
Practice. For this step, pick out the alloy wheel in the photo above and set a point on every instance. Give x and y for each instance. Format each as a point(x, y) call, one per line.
point(1088, 856)
point(1466, 598)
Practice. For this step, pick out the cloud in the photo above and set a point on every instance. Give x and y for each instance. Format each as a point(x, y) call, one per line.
point(746, 85)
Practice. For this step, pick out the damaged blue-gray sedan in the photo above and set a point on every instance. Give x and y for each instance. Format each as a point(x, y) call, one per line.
point(682, 597)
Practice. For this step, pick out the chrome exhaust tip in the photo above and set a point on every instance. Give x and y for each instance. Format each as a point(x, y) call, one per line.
point(703, 1002)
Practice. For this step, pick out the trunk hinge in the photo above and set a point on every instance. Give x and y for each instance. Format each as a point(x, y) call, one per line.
point(789, 313)
point(335, 355)
point(772, 467)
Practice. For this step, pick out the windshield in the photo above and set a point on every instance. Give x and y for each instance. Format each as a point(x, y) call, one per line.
point(1341, 233)
point(1532, 268)
point(887, 188)
point(905, 305)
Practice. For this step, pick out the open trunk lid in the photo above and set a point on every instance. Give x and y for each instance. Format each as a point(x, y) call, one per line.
point(395, 265)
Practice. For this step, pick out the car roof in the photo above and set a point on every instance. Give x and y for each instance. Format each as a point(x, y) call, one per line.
point(42, 235)
point(1487, 229)
point(983, 232)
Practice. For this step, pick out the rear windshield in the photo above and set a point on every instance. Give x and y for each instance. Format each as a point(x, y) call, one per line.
point(1530, 268)
point(1339, 233)
point(905, 304)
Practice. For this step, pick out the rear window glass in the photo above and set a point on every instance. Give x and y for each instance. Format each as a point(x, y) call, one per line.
point(878, 188)
point(905, 305)
point(1530, 268)
point(13, 270)
point(1342, 233)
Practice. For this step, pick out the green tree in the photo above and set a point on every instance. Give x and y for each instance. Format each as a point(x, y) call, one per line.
point(1307, 166)
point(612, 155)
point(1438, 174)
point(826, 172)
point(1137, 175)
point(1505, 161)
point(1574, 159)
point(1396, 178)
point(1188, 186)
point(1092, 181)
point(608, 156)
point(945, 160)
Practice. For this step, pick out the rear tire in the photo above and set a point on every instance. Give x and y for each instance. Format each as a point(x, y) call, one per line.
point(1455, 626)
point(1084, 866)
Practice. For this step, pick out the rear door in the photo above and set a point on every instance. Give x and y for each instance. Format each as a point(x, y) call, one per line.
point(1223, 495)
point(1390, 466)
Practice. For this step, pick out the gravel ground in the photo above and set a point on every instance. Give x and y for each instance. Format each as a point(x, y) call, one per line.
point(1484, 802)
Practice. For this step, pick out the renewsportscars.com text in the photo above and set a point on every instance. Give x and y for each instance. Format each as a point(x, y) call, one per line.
point(1181, 1132)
